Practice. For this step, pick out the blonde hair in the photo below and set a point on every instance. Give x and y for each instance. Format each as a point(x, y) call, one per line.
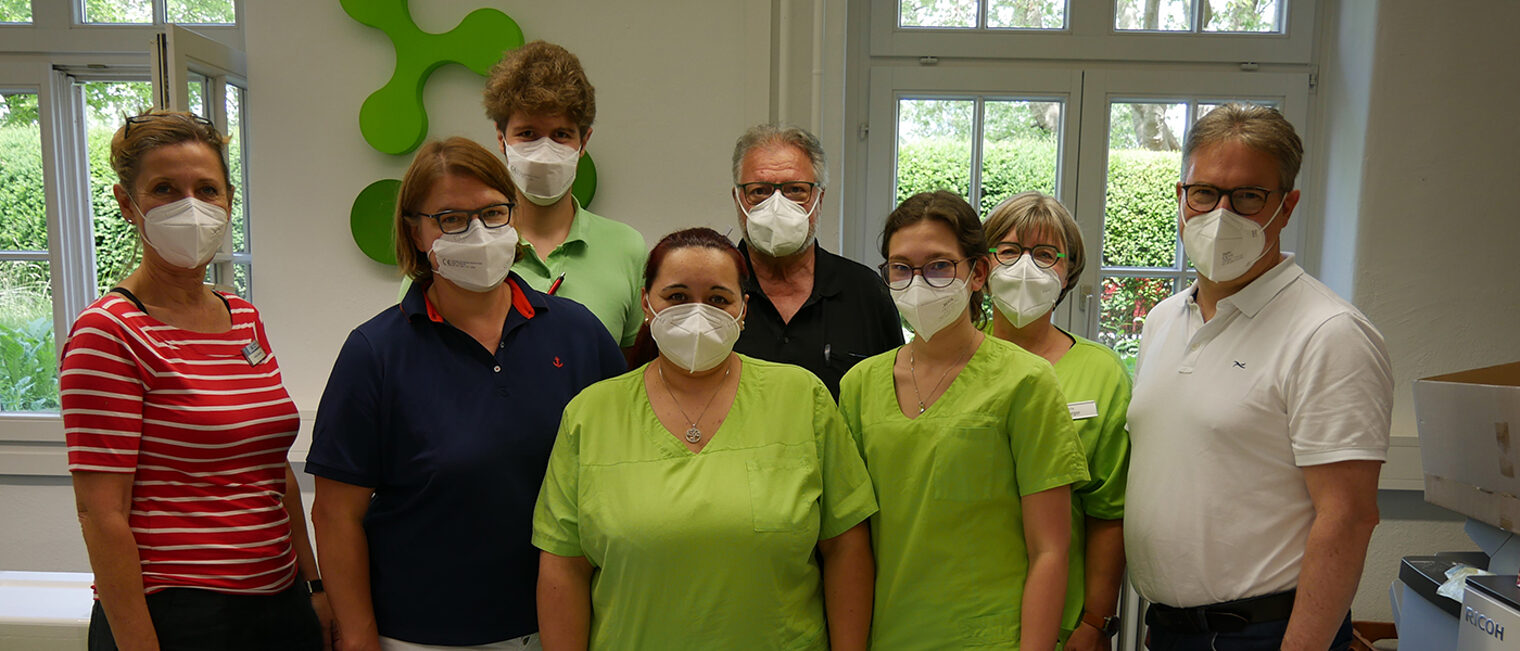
point(540, 78)
point(435, 160)
point(1032, 213)
point(156, 128)
point(1259, 127)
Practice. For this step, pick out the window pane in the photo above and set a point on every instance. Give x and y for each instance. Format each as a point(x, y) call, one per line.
point(1124, 304)
point(23, 211)
point(1140, 207)
point(1026, 14)
point(937, 13)
point(202, 12)
point(106, 102)
point(1242, 16)
point(1020, 149)
point(28, 366)
point(118, 11)
point(933, 146)
point(15, 11)
point(242, 280)
point(195, 93)
point(1153, 15)
point(235, 166)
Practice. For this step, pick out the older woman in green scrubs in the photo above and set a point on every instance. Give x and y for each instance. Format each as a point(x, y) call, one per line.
point(1037, 251)
point(689, 503)
point(970, 448)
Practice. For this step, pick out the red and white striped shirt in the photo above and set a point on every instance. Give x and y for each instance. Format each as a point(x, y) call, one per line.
point(205, 429)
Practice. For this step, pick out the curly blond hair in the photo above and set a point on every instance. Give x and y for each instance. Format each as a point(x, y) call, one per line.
point(540, 78)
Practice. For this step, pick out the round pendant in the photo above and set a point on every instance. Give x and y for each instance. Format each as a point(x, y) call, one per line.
point(693, 434)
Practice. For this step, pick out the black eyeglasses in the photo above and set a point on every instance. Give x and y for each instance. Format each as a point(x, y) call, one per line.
point(195, 120)
point(1045, 256)
point(450, 222)
point(1244, 201)
point(797, 191)
point(938, 273)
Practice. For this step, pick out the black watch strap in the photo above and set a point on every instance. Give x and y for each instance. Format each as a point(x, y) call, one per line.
point(313, 586)
point(1106, 625)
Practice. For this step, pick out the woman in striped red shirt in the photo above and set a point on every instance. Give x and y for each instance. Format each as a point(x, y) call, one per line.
point(178, 426)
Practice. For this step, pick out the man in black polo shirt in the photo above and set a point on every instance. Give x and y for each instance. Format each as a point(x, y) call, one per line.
point(807, 306)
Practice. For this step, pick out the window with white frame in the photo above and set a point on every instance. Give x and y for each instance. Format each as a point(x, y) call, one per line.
point(69, 73)
point(989, 98)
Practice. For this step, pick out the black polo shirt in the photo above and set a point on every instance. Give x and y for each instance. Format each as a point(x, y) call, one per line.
point(849, 317)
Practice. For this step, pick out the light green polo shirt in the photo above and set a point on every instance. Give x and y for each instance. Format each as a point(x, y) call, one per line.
point(949, 538)
point(605, 276)
point(1092, 372)
point(603, 264)
point(709, 550)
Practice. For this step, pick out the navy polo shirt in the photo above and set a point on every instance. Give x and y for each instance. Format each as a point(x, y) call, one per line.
point(849, 316)
point(454, 439)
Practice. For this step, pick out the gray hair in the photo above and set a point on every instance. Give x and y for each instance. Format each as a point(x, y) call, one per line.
point(1259, 127)
point(767, 135)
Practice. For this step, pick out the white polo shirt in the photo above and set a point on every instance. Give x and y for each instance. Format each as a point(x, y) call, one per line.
point(1224, 413)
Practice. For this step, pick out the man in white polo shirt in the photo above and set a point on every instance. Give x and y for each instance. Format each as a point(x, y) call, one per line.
point(1259, 420)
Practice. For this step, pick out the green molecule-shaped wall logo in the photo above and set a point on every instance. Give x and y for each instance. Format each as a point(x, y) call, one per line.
point(394, 120)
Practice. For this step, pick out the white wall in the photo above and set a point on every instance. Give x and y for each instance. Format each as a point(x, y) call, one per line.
point(1437, 235)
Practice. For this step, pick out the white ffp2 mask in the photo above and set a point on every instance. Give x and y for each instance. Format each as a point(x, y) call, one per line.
point(1224, 245)
point(1023, 291)
point(477, 259)
point(778, 226)
point(929, 309)
point(185, 233)
point(695, 336)
point(542, 169)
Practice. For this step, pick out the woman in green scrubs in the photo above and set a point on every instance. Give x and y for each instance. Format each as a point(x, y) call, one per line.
point(705, 500)
point(1038, 255)
point(970, 448)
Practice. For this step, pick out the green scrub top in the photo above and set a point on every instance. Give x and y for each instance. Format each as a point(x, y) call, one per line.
point(1092, 372)
point(709, 550)
point(603, 264)
point(949, 538)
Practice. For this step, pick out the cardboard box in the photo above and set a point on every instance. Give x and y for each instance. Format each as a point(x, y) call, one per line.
point(1469, 425)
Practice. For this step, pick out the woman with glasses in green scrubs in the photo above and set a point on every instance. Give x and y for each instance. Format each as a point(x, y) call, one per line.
point(970, 448)
point(1037, 256)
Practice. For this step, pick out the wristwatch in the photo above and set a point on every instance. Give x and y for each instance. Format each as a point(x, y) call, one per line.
point(313, 586)
point(1106, 625)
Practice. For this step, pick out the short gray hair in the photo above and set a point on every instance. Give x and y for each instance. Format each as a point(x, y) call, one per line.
point(768, 135)
point(1259, 127)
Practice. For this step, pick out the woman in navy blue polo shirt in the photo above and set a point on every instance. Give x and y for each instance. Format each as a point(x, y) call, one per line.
point(435, 428)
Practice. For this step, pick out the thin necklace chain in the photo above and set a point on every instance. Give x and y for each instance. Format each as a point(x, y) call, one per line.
point(914, 373)
point(693, 433)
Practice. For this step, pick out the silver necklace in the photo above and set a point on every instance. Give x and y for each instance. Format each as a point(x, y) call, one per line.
point(914, 374)
point(693, 433)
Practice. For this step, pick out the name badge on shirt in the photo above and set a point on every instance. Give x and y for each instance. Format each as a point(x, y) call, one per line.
point(1083, 410)
point(254, 353)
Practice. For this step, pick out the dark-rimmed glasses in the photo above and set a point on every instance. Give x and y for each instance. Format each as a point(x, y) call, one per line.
point(795, 191)
point(1244, 201)
point(1045, 256)
point(150, 117)
point(450, 222)
point(937, 273)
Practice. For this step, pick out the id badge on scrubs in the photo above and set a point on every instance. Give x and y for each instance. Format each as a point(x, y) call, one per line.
point(1083, 410)
point(254, 353)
